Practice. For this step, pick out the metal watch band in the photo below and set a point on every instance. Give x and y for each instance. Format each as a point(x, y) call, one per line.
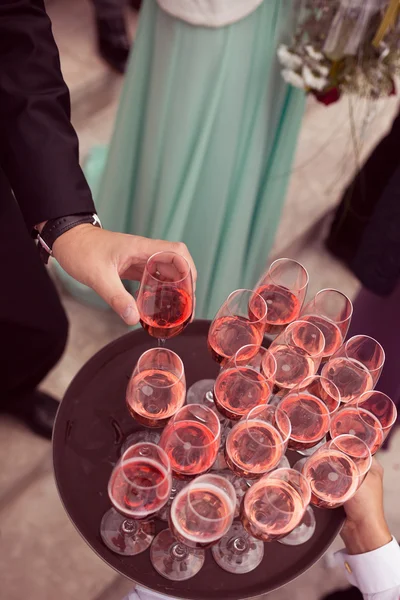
point(56, 227)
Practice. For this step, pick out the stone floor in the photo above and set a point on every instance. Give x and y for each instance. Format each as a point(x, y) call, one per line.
point(43, 557)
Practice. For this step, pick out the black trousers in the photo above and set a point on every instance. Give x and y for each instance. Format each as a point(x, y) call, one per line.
point(33, 323)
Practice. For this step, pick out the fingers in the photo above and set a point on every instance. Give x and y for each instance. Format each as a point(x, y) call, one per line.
point(109, 286)
point(181, 248)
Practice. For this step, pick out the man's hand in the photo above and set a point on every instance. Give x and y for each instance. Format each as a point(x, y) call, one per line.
point(100, 259)
point(365, 528)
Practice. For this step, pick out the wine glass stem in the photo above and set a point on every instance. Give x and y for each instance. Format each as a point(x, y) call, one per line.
point(161, 342)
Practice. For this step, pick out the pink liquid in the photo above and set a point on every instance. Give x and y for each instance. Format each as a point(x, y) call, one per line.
point(190, 446)
point(139, 487)
point(253, 448)
point(201, 516)
point(228, 334)
point(237, 391)
point(165, 312)
point(154, 395)
point(309, 418)
point(272, 509)
point(332, 334)
point(350, 377)
point(360, 423)
point(283, 307)
point(293, 366)
point(333, 478)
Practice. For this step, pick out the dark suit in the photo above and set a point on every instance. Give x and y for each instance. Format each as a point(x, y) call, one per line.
point(39, 164)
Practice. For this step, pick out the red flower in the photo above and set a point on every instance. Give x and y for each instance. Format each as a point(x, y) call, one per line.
point(328, 97)
point(393, 91)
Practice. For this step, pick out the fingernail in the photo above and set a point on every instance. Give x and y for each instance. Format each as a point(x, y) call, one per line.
point(127, 311)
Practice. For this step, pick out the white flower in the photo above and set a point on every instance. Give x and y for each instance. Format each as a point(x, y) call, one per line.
point(322, 70)
point(313, 81)
point(314, 54)
point(288, 59)
point(293, 78)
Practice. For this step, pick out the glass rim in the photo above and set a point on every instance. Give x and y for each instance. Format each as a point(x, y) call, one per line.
point(156, 350)
point(354, 362)
point(301, 388)
point(260, 350)
point(373, 340)
point(350, 304)
point(173, 422)
point(267, 477)
point(260, 408)
point(368, 456)
point(359, 412)
point(308, 323)
point(357, 401)
point(252, 294)
point(160, 281)
point(165, 468)
point(231, 496)
point(292, 260)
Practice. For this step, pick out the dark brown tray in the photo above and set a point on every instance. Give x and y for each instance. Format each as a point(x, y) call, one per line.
point(92, 422)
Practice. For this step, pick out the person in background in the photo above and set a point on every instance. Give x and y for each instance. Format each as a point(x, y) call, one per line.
point(43, 191)
point(204, 139)
point(112, 33)
point(371, 559)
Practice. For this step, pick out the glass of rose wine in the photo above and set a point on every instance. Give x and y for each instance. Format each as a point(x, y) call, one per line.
point(138, 488)
point(200, 515)
point(310, 407)
point(257, 443)
point(245, 381)
point(239, 322)
point(284, 288)
point(381, 406)
point(331, 312)
point(191, 440)
point(336, 470)
point(359, 422)
point(298, 352)
point(166, 299)
point(271, 509)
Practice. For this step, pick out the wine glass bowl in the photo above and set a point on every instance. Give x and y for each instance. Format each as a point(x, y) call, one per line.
point(239, 322)
point(381, 406)
point(365, 351)
point(157, 387)
point(360, 422)
point(283, 287)
point(166, 299)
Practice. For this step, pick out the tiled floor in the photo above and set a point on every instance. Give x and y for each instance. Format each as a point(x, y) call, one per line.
point(43, 557)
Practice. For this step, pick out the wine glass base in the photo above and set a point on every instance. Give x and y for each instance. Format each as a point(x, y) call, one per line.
point(241, 487)
point(145, 435)
point(303, 532)
point(201, 392)
point(238, 552)
point(126, 536)
point(177, 486)
point(298, 465)
point(174, 560)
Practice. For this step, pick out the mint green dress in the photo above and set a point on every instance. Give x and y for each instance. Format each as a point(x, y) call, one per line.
point(203, 145)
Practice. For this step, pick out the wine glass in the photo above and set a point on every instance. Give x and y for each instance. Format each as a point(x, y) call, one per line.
point(239, 322)
point(166, 299)
point(381, 406)
point(272, 507)
point(310, 407)
point(298, 351)
point(245, 381)
point(191, 440)
point(139, 486)
point(284, 288)
point(256, 444)
point(360, 423)
point(200, 515)
point(336, 470)
point(331, 312)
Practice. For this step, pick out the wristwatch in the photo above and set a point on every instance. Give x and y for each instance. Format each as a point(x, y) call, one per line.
point(56, 227)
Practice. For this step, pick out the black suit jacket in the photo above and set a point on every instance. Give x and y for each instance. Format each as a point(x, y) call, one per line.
point(38, 145)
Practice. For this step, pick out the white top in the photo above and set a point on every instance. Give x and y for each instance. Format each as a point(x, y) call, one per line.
point(209, 13)
point(376, 574)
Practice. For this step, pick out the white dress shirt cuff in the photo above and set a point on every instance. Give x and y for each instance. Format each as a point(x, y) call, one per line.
point(373, 572)
point(143, 594)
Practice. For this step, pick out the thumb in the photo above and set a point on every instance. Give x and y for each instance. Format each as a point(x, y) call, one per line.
point(112, 290)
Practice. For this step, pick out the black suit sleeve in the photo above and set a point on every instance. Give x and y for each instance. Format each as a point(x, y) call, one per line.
point(38, 145)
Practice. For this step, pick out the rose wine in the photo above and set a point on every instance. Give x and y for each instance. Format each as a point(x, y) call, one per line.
point(293, 366)
point(253, 448)
point(228, 334)
point(272, 509)
point(333, 477)
point(283, 307)
point(237, 391)
point(139, 487)
point(358, 422)
point(309, 417)
point(191, 447)
point(154, 395)
point(332, 334)
point(350, 377)
point(201, 515)
point(165, 312)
